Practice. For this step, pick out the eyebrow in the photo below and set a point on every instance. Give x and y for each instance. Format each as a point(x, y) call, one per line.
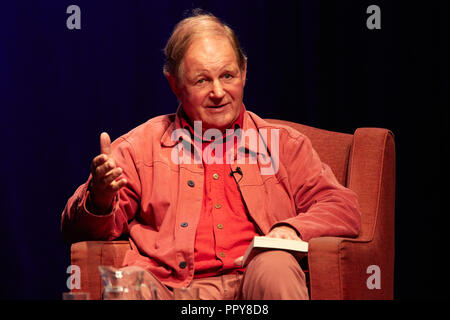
point(227, 68)
point(199, 73)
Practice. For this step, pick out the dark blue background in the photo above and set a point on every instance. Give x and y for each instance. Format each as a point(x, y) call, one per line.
point(313, 62)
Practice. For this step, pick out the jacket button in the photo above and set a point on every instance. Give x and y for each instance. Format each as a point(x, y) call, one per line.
point(220, 226)
point(184, 224)
point(215, 176)
point(182, 264)
point(190, 183)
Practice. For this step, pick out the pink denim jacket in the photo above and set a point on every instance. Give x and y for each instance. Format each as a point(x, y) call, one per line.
point(283, 182)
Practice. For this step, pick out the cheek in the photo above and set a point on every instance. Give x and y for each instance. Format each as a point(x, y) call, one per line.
point(191, 99)
point(197, 96)
point(237, 92)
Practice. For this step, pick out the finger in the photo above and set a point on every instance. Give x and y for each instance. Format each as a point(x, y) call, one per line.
point(98, 161)
point(291, 237)
point(112, 175)
point(282, 235)
point(105, 143)
point(117, 185)
point(104, 169)
point(296, 237)
point(285, 235)
point(272, 234)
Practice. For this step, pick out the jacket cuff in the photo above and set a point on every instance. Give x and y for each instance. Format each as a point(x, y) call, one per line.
point(87, 198)
point(94, 225)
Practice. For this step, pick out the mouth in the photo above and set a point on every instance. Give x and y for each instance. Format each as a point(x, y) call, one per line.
point(217, 107)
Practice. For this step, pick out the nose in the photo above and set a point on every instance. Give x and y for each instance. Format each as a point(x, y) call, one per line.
point(217, 90)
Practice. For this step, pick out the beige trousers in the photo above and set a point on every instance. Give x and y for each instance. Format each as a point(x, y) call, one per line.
point(271, 275)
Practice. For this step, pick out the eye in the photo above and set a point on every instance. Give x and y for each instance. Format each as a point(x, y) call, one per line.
point(228, 76)
point(200, 81)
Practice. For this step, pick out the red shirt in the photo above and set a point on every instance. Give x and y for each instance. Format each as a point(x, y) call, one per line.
point(224, 230)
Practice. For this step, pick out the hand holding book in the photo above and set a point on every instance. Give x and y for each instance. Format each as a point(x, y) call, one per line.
point(283, 232)
point(279, 238)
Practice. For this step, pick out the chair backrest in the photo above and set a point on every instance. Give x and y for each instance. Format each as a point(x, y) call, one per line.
point(333, 147)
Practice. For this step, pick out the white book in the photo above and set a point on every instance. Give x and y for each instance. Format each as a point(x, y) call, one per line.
point(258, 244)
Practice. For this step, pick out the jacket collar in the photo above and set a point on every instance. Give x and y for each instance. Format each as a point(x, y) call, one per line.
point(166, 138)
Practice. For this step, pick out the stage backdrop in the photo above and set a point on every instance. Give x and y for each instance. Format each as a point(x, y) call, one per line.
point(314, 62)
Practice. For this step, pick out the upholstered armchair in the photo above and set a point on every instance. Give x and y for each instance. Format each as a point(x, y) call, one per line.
point(338, 268)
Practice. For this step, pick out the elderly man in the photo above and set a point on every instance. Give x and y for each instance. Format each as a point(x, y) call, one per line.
point(191, 210)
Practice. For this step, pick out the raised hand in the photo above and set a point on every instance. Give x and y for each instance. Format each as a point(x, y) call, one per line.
point(106, 181)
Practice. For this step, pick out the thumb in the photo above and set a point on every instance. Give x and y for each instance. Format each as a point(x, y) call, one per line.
point(105, 143)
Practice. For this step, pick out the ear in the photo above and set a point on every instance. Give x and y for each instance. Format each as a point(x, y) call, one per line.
point(244, 73)
point(173, 85)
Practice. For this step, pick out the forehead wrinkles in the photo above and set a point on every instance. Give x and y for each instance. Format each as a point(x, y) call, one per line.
point(209, 54)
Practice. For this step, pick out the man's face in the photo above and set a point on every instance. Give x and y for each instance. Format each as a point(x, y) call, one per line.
point(211, 86)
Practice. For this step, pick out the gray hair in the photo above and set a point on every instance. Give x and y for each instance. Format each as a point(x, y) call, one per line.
point(191, 28)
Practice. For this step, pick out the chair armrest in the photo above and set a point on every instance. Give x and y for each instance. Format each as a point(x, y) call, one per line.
point(88, 255)
point(338, 269)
